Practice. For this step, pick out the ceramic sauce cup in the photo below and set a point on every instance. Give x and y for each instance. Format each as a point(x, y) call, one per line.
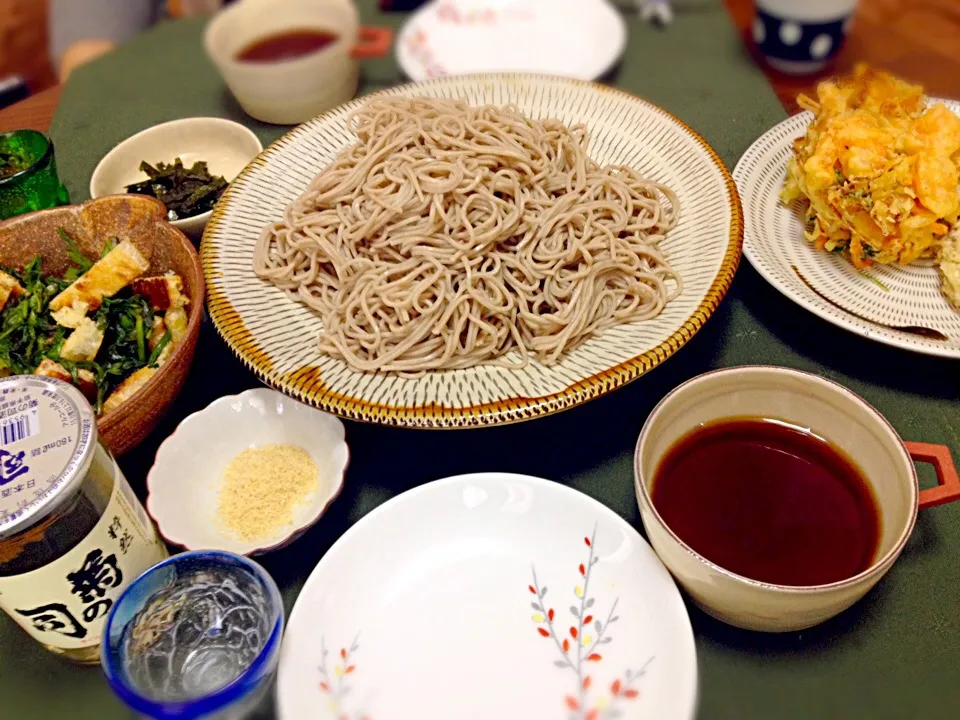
point(801, 36)
point(828, 410)
point(293, 90)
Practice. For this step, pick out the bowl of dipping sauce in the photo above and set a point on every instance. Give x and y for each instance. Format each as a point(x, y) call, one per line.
point(290, 60)
point(778, 498)
point(247, 474)
point(197, 635)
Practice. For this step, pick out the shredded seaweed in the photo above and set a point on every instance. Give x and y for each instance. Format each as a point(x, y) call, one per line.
point(185, 191)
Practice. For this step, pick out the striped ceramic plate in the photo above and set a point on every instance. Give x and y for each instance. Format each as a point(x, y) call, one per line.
point(899, 306)
point(276, 337)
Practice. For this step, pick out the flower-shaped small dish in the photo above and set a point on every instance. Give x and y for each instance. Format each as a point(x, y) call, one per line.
point(183, 486)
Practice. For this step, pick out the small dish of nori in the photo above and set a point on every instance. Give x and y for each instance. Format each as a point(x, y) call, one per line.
point(186, 191)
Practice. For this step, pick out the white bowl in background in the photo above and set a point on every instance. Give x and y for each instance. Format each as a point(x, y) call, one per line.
point(296, 89)
point(226, 146)
point(184, 482)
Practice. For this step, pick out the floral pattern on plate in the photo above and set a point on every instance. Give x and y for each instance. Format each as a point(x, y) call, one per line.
point(449, 12)
point(439, 584)
point(419, 47)
point(580, 650)
point(335, 683)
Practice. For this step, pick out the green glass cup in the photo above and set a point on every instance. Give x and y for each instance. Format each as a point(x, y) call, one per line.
point(28, 174)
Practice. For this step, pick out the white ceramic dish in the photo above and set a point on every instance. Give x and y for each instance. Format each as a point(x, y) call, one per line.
point(581, 39)
point(489, 596)
point(828, 410)
point(829, 286)
point(276, 336)
point(226, 146)
point(183, 484)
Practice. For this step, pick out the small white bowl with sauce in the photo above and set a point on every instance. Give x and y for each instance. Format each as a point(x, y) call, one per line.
point(299, 80)
point(184, 485)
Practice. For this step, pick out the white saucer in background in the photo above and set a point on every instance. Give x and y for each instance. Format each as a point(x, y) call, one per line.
point(581, 39)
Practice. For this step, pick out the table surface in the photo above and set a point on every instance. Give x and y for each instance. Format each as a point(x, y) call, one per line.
point(917, 39)
point(891, 656)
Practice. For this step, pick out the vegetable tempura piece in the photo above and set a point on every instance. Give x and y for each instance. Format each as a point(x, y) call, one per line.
point(949, 267)
point(879, 168)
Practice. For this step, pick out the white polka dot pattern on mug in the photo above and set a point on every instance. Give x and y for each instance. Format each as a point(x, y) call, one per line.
point(798, 44)
point(820, 47)
point(790, 33)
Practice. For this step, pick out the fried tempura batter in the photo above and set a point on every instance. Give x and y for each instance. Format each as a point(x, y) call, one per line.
point(879, 168)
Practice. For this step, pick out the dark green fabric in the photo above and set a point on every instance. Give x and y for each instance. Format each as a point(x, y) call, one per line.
point(895, 655)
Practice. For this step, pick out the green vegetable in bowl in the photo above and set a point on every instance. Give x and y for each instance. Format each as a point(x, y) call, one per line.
point(27, 331)
point(185, 191)
point(102, 326)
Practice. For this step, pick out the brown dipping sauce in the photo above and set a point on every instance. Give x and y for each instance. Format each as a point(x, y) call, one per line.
point(768, 501)
point(287, 45)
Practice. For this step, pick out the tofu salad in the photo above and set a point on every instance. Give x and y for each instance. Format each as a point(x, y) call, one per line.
point(104, 326)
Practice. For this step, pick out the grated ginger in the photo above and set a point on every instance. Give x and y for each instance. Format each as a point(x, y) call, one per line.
point(261, 489)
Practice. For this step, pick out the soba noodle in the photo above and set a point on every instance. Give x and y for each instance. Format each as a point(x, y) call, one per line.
point(450, 236)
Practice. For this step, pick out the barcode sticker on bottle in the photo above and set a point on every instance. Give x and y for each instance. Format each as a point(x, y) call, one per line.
point(19, 427)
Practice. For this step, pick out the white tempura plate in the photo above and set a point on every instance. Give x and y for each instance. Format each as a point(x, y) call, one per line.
point(277, 337)
point(489, 596)
point(897, 307)
point(576, 38)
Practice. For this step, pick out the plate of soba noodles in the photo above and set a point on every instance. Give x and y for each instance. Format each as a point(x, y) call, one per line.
point(472, 250)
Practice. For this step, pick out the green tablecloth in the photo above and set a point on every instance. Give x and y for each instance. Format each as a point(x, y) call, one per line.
point(894, 655)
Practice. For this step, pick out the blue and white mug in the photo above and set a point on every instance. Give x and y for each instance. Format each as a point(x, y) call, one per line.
point(801, 36)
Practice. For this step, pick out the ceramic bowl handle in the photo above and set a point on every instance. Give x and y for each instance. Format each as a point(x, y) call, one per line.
point(373, 41)
point(948, 482)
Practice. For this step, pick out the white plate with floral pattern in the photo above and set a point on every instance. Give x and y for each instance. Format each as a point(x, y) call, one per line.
point(489, 596)
point(581, 39)
point(893, 304)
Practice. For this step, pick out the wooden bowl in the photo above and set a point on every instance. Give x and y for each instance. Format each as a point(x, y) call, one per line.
point(139, 219)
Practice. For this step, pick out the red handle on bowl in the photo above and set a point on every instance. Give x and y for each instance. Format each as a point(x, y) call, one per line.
point(372, 41)
point(948, 487)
